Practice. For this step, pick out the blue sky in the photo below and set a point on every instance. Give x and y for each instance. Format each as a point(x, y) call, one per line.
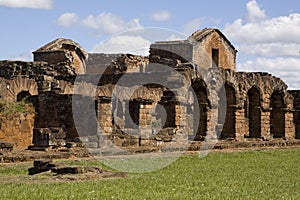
point(265, 32)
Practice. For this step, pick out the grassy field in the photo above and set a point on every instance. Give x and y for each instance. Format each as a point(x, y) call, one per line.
point(272, 174)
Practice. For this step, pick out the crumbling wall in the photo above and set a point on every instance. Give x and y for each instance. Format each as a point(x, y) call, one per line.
point(203, 53)
point(296, 108)
point(115, 63)
point(17, 128)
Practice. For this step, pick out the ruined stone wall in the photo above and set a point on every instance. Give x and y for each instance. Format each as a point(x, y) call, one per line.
point(171, 53)
point(10, 69)
point(54, 110)
point(202, 55)
point(296, 107)
point(17, 128)
point(115, 63)
point(51, 57)
point(68, 57)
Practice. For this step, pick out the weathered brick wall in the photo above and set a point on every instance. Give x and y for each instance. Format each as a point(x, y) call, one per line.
point(17, 128)
point(296, 107)
point(11, 69)
point(115, 63)
point(203, 52)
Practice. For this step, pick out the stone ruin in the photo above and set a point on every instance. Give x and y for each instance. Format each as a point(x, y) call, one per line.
point(128, 100)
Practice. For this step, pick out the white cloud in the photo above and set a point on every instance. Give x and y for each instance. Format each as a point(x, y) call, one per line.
point(109, 23)
point(280, 29)
point(35, 4)
point(161, 16)
point(288, 69)
point(124, 44)
point(104, 23)
point(254, 12)
point(192, 26)
point(273, 42)
point(68, 19)
point(271, 49)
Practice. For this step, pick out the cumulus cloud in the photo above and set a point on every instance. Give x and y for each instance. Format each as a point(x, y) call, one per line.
point(68, 19)
point(109, 23)
point(271, 49)
point(283, 29)
point(161, 16)
point(274, 42)
point(35, 4)
point(124, 44)
point(104, 23)
point(255, 13)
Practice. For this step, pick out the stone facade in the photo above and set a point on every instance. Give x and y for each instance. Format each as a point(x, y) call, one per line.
point(17, 128)
point(185, 90)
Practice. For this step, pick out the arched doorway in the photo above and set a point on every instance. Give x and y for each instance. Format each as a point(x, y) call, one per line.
point(227, 108)
point(253, 112)
point(277, 117)
point(200, 118)
point(23, 96)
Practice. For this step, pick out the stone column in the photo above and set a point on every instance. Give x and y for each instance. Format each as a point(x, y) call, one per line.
point(145, 122)
point(289, 124)
point(265, 124)
point(213, 128)
point(104, 117)
point(240, 128)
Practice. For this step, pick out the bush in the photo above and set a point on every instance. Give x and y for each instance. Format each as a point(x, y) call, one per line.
point(9, 108)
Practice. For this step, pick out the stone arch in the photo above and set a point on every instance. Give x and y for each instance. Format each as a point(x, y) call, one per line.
point(15, 86)
point(23, 95)
point(200, 113)
point(227, 108)
point(253, 112)
point(277, 115)
point(105, 90)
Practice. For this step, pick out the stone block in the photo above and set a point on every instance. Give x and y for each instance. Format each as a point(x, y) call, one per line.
point(6, 146)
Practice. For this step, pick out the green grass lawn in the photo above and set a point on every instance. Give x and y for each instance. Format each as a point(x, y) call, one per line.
point(272, 174)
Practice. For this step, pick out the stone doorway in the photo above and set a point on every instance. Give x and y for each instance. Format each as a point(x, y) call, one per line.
point(132, 115)
point(23, 95)
point(200, 118)
point(253, 113)
point(228, 130)
point(277, 117)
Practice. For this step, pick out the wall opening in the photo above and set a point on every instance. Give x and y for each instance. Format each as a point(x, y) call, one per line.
point(23, 96)
point(132, 116)
point(277, 116)
point(227, 107)
point(200, 118)
point(117, 113)
point(253, 112)
point(166, 110)
point(215, 57)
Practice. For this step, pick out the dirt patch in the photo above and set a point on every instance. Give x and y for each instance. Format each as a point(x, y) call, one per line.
point(49, 177)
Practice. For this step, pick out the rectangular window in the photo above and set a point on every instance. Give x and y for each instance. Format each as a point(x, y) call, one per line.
point(215, 57)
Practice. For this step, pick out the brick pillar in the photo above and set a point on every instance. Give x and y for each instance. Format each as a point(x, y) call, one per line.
point(240, 123)
point(213, 128)
point(104, 117)
point(104, 114)
point(289, 125)
point(265, 124)
point(145, 121)
point(181, 122)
